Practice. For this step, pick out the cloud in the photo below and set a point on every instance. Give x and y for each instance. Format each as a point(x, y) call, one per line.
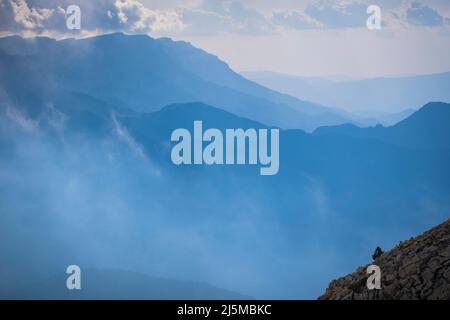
point(338, 14)
point(21, 120)
point(49, 17)
point(123, 134)
point(138, 18)
point(295, 20)
point(215, 16)
point(247, 19)
point(422, 15)
point(29, 18)
point(177, 18)
point(202, 22)
point(17, 15)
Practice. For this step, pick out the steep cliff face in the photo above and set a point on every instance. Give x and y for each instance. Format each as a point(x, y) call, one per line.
point(415, 269)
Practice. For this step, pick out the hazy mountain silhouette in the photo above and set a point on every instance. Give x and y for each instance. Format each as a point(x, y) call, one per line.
point(366, 97)
point(426, 129)
point(147, 74)
point(100, 182)
point(86, 176)
point(119, 284)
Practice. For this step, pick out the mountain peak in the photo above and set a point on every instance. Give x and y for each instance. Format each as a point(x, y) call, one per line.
point(432, 113)
point(146, 74)
point(116, 36)
point(435, 105)
point(191, 111)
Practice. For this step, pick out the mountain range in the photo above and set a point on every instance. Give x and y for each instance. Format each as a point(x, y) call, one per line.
point(385, 100)
point(86, 176)
point(146, 74)
point(427, 129)
point(113, 284)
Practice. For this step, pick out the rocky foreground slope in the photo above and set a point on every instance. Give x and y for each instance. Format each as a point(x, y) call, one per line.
point(415, 269)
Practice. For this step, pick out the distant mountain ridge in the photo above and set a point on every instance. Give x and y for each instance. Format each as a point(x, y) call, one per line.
point(86, 174)
point(365, 97)
point(115, 284)
point(426, 128)
point(146, 74)
point(317, 207)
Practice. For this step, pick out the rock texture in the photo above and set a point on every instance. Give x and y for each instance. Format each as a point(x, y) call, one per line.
point(415, 269)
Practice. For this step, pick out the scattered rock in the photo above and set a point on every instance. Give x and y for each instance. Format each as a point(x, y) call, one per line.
point(418, 268)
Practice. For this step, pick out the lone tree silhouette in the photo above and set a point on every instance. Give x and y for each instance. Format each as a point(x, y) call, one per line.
point(377, 253)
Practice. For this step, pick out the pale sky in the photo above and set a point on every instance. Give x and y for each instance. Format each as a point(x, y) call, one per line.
point(306, 38)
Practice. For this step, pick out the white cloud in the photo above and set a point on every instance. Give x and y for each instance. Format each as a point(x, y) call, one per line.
point(21, 120)
point(211, 17)
point(295, 19)
point(123, 134)
point(420, 14)
point(214, 17)
point(29, 18)
point(103, 16)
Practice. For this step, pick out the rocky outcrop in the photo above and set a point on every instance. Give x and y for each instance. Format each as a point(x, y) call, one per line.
point(415, 269)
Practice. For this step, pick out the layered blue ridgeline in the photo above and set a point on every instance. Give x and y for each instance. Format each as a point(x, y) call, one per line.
point(86, 178)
